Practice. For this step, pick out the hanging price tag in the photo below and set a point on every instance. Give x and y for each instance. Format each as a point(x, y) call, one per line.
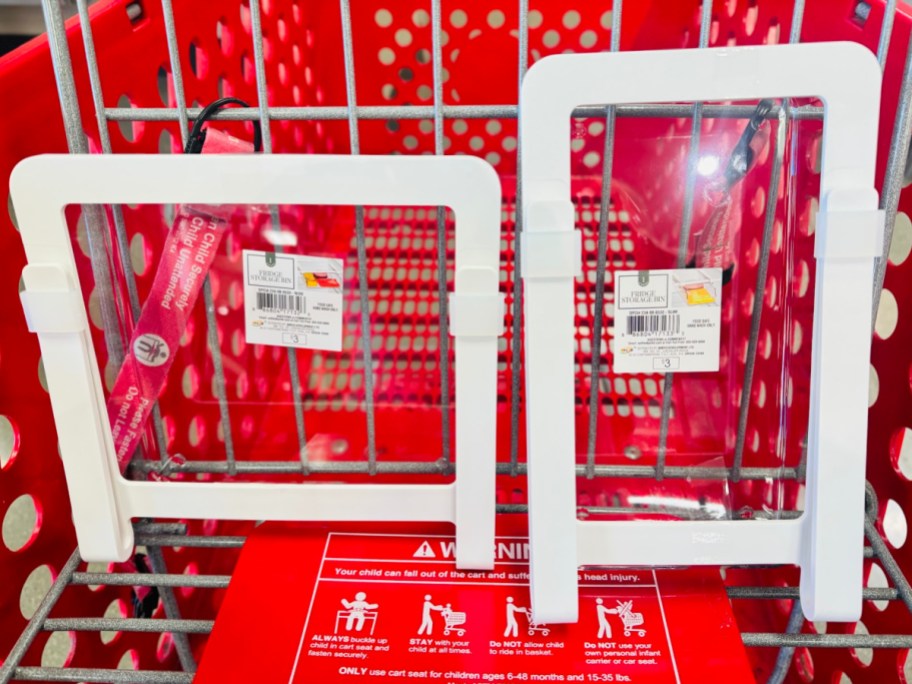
point(293, 300)
point(667, 320)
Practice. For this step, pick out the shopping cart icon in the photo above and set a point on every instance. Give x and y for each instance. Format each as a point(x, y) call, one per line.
point(536, 627)
point(452, 621)
point(630, 619)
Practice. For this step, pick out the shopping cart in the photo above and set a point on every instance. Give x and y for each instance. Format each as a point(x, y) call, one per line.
point(373, 77)
point(630, 619)
point(536, 628)
point(452, 622)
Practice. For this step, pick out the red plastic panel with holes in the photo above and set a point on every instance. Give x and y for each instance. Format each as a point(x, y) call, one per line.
point(393, 66)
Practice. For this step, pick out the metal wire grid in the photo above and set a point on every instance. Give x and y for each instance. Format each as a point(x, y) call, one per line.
point(155, 536)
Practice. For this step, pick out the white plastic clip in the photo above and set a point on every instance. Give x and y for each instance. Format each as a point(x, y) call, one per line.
point(849, 225)
point(549, 246)
point(477, 315)
point(50, 304)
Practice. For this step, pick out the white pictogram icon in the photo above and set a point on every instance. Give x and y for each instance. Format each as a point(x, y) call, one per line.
point(356, 614)
point(427, 621)
point(424, 551)
point(532, 627)
point(150, 350)
point(452, 621)
point(632, 621)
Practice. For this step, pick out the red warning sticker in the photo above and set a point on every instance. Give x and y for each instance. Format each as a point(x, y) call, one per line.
point(393, 606)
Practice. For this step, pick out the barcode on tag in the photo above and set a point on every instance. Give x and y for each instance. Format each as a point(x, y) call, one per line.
point(659, 323)
point(280, 301)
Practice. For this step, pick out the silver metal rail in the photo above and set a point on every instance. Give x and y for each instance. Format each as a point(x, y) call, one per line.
point(173, 536)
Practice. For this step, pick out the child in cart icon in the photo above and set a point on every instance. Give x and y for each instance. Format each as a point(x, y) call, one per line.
point(453, 621)
point(536, 626)
point(357, 613)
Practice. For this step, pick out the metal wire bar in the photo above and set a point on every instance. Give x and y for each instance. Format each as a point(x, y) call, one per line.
point(316, 467)
point(177, 77)
point(294, 372)
point(784, 656)
point(99, 247)
point(351, 101)
point(156, 559)
point(93, 217)
point(684, 239)
point(88, 624)
point(208, 302)
point(120, 228)
point(494, 111)
point(80, 674)
point(797, 22)
point(190, 541)
point(105, 140)
point(139, 579)
point(767, 639)
point(437, 467)
point(7, 669)
point(802, 460)
point(882, 553)
point(754, 593)
point(602, 256)
point(218, 374)
point(678, 512)
point(750, 361)
point(516, 308)
point(682, 514)
point(886, 30)
point(159, 528)
point(442, 301)
point(894, 177)
point(172, 610)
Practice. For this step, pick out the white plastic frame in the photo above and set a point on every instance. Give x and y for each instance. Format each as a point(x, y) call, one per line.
point(826, 541)
point(104, 502)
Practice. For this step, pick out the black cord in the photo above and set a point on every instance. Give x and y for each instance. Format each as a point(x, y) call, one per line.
point(743, 156)
point(198, 135)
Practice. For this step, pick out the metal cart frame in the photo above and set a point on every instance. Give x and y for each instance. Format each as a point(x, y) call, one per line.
point(156, 536)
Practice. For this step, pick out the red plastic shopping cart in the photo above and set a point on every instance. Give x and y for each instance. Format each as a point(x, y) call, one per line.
point(432, 77)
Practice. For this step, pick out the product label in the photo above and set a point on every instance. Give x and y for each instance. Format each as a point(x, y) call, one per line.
point(293, 300)
point(667, 320)
point(396, 607)
point(370, 603)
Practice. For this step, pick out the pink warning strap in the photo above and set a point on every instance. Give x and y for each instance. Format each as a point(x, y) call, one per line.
point(189, 250)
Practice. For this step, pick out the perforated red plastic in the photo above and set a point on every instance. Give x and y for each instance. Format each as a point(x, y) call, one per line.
point(304, 67)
